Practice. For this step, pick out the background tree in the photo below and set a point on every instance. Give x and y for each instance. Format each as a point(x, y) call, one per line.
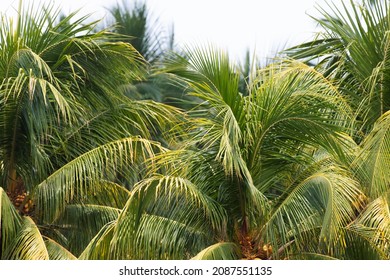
point(155, 43)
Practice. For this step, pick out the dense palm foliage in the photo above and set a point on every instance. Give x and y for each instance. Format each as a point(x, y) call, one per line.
point(354, 50)
point(291, 163)
point(60, 103)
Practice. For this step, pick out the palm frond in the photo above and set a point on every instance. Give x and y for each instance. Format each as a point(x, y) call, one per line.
point(79, 175)
point(28, 243)
point(324, 200)
point(372, 227)
point(160, 237)
point(373, 162)
point(10, 222)
point(219, 251)
point(353, 48)
point(170, 192)
point(57, 252)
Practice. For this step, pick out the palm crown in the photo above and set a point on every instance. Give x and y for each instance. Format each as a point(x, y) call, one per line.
point(292, 165)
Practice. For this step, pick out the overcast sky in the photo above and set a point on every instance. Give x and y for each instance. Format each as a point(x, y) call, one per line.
point(261, 25)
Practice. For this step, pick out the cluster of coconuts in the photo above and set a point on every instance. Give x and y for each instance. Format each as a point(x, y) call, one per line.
point(28, 207)
point(267, 248)
point(20, 200)
point(249, 251)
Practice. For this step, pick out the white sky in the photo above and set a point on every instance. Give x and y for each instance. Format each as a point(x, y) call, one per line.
point(261, 25)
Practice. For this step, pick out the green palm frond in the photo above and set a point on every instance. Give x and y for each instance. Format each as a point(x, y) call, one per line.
point(78, 177)
point(51, 71)
point(297, 93)
point(130, 117)
point(372, 227)
point(353, 48)
point(323, 200)
point(57, 252)
point(219, 251)
point(105, 193)
point(10, 222)
point(28, 243)
point(373, 162)
point(145, 210)
point(359, 246)
point(161, 237)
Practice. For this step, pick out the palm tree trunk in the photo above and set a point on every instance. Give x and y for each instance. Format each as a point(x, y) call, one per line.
point(12, 182)
point(242, 200)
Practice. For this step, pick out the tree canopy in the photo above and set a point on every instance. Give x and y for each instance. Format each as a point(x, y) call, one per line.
point(114, 147)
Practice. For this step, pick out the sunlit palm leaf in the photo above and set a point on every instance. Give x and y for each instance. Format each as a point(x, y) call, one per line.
point(79, 175)
point(57, 252)
point(197, 213)
point(373, 162)
point(219, 251)
point(323, 200)
point(10, 222)
point(373, 228)
point(28, 244)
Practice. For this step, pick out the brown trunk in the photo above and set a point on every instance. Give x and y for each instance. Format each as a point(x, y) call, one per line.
point(12, 181)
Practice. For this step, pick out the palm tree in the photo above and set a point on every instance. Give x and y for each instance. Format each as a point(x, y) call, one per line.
point(353, 50)
point(60, 104)
point(256, 176)
point(145, 36)
point(155, 43)
point(279, 169)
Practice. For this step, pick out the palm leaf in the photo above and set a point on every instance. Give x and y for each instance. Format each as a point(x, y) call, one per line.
point(10, 222)
point(219, 251)
point(353, 48)
point(28, 244)
point(57, 252)
point(79, 175)
point(323, 200)
point(373, 162)
point(169, 192)
point(371, 230)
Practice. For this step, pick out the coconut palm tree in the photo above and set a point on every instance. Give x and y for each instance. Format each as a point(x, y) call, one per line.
point(135, 21)
point(353, 49)
point(257, 176)
point(281, 171)
point(61, 102)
